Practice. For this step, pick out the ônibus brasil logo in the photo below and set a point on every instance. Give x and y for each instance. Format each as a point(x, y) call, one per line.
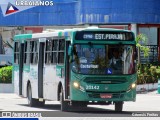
point(11, 9)
point(13, 6)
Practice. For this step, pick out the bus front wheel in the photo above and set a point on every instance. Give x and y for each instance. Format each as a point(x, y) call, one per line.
point(118, 106)
point(41, 104)
point(64, 104)
point(79, 104)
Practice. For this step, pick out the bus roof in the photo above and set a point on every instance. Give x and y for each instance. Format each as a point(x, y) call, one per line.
point(63, 33)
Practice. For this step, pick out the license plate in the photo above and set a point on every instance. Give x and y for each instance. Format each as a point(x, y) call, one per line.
point(106, 95)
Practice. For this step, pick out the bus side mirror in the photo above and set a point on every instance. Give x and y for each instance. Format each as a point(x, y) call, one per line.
point(70, 50)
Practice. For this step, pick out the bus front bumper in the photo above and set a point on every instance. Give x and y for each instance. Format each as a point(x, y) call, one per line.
point(79, 95)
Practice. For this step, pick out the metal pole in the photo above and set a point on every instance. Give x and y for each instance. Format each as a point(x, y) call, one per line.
point(1, 45)
point(134, 29)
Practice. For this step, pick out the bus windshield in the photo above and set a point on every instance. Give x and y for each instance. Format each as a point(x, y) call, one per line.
point(104, 59)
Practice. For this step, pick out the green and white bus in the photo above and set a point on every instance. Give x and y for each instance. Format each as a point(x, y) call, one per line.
point(77, 67)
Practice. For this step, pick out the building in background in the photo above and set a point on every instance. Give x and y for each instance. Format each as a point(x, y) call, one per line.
point(140, 16)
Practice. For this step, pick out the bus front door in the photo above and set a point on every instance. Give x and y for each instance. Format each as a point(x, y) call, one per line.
point(67, 70)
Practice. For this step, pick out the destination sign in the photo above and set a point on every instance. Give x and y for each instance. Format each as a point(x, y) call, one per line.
point(103, 35)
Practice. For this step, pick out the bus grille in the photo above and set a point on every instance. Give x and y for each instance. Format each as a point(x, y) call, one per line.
point(97, 95)
point(105, 80)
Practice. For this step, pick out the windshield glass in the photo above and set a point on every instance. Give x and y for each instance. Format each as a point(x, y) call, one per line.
point(104, 59)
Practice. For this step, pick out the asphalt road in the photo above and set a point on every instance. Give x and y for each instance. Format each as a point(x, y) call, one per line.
point(146, 105)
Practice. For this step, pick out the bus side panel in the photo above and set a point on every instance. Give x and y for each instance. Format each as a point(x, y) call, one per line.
point(26, 77)
point(50, 82)
point(34, 80)
point(16, 79)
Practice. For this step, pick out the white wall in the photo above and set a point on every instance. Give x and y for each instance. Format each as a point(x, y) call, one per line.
point(6, 88)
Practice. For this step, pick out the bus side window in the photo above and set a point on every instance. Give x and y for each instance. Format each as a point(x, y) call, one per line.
point(61, 57)
point(48, 51)
point(54, 51)
point(27, 53)
point(16, 52)
point(35, 57)
point(61, 51)
point(31, 51)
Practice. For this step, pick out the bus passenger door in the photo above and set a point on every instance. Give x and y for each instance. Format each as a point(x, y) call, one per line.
point(67, 70)
point(21, 67)
point(49, 71)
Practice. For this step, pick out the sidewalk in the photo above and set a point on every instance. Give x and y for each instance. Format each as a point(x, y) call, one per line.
point(6, 88)
point(150, 92)
point(9, 96)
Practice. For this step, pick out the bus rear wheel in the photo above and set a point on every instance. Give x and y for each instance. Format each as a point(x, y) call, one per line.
point(64, 104)
point(118, 106)
point(31, 101)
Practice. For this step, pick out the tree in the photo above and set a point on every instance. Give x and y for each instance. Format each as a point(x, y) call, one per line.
point(141, 42)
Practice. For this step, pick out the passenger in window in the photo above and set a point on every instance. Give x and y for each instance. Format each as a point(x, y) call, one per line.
point(116, 59)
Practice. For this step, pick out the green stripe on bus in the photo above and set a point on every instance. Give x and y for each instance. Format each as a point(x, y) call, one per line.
point(23, 37)
point(26, 68)
point(60, 34)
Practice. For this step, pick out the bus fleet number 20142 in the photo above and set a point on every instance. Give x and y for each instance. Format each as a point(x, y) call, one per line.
point(92, 87)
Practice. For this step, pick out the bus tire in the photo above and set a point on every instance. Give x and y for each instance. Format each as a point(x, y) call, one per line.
point(41, 104)
point(118, 106)
point(31, 101)
point(64, 104)
point(79, 104)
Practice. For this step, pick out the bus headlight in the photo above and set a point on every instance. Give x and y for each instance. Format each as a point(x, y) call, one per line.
point(76, 84)
point(133, 85)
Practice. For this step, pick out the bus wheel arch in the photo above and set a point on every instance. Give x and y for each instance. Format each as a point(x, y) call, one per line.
point(59, 91)
point(31, 101)
point(28, 83)
point(64, 104)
